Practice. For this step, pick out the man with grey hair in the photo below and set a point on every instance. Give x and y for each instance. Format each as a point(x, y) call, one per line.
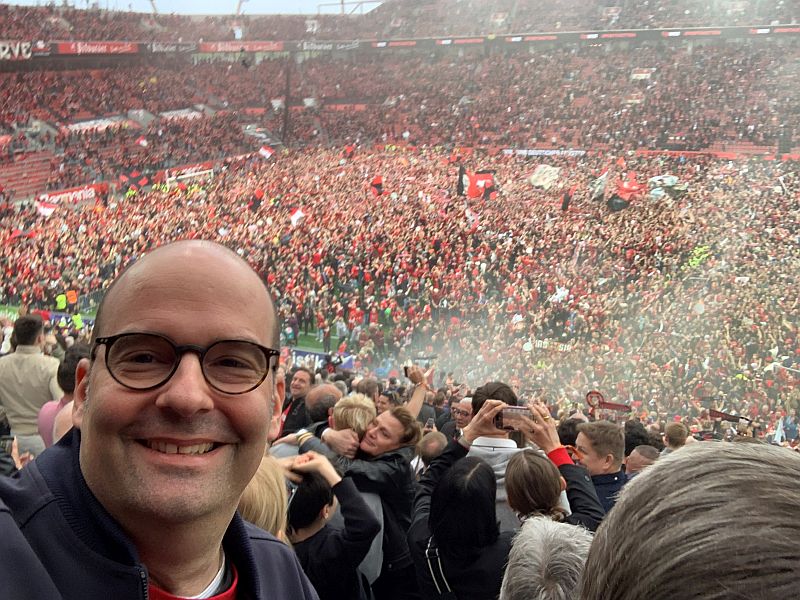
point(546, 561)
point(715, 520)
point(462, 415)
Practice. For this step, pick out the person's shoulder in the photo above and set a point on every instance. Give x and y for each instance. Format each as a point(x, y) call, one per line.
point(610, 479)
point(258, 535)
point(277, 565)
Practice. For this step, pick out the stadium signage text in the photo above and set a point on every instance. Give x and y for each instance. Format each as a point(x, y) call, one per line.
point(15, 50)
point(327, 46)
point(159, 47)
point(98, 48)
point(73, 195)
point(315, 46)
point(542, 152)
point(240, 47)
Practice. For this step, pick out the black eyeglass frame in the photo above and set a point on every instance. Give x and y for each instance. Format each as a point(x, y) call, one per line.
point(180, 350)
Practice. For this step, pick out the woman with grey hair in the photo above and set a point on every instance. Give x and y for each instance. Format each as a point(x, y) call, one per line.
point(546, 561)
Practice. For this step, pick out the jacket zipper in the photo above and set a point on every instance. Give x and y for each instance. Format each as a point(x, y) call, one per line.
point(145, 589)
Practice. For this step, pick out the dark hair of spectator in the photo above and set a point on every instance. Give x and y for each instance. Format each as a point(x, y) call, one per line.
point(66, 370)
point(654, 440)
point(635, 435)
point(493, 390)
point(27, 329)
point(392, 397)
point(308, 499)
point(568, 431)
point(463, 518)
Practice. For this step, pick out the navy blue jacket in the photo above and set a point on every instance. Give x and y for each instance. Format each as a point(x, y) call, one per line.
point(57, 541)
point(608, 488)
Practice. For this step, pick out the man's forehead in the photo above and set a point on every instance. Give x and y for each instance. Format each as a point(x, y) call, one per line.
point(191, 277)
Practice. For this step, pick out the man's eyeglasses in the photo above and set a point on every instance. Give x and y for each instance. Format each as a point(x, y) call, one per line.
point(145, 361)
point(460, 413)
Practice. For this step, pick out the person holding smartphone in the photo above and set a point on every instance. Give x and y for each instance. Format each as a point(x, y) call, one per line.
point(496, 448)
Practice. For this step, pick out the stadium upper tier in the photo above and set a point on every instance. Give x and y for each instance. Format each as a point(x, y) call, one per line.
point(565, 96)
point(393, 19)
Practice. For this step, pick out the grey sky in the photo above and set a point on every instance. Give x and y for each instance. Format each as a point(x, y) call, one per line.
point(217, 7)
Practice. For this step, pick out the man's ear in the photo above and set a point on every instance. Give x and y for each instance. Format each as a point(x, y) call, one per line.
point(609, 461)
point(81, 394)
point(278, 393)
point(563, 484)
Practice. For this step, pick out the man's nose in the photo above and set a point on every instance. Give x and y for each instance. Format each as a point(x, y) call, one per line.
point(187, 392)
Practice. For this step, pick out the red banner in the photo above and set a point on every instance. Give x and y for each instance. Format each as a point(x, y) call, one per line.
point(74, 195)
point(346, 107)
point(97, 48)
point(621, 34)
point(240, 47)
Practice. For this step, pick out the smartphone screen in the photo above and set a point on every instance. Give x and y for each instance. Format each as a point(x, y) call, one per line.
point(509, 418)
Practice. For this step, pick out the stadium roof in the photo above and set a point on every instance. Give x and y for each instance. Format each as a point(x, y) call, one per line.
point(215, 7)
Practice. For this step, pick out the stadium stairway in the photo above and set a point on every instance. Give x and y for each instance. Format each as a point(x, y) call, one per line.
point(27, 175)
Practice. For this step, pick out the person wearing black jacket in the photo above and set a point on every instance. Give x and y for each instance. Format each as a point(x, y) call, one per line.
point(330, 556)
point(454, 538)
point(383, 467)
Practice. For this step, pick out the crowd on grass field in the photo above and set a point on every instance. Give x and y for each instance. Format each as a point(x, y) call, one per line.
point(662, 306)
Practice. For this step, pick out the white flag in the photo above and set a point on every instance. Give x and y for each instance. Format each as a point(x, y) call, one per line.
point(296, 215)
point(597, 189)
point(45, 208)
point(545, 176)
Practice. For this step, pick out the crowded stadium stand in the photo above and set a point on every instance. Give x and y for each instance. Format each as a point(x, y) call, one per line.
point(657, 301)
point(591, 209)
